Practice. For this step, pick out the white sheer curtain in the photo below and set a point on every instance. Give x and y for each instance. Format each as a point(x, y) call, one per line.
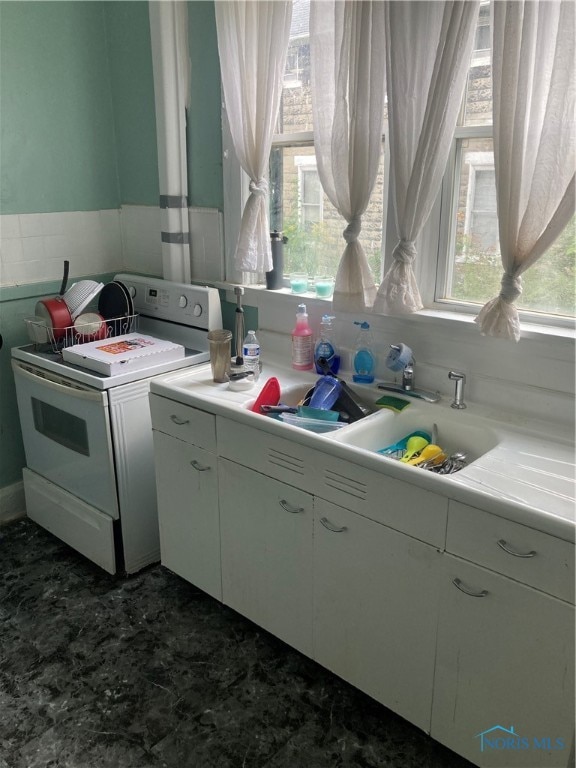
point(252, 44)
point(428, 47)
point(534, 141)
point(348, 75)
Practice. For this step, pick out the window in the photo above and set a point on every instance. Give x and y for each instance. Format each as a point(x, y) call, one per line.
point(298, 206)
point(459, 265)
point(310, 193)
point(471, 270)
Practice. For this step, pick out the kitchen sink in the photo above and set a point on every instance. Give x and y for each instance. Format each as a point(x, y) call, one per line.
point(294, 394)
point(355, 403)
point(457, 430)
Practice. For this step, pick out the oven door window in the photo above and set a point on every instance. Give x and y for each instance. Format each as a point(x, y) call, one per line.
point(64, 428)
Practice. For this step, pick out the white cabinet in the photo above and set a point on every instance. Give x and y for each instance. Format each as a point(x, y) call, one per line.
point(504, 686)
point(375, 609)
point(266, 534)
point(474, 644)
point(188, 512)
point(399, 505)
point(187, 489)
point(505, 662)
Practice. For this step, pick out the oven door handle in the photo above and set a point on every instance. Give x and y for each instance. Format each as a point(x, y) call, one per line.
point(55, 383)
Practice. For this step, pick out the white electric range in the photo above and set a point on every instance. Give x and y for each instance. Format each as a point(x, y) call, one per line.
point(89, 477)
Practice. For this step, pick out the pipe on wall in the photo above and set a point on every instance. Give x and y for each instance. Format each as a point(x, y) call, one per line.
point(171, 67)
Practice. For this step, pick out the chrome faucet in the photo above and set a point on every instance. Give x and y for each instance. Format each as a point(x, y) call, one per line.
point(407, 386)
point(408, 376)
point(460, 379)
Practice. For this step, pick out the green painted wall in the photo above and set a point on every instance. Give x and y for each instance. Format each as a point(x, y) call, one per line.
point(132, 84)
point(78, 132)
point(57, 150)
point(204, 116)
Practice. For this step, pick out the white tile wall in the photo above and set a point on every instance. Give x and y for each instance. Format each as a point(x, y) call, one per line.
point(206, 244)
point(9, 226)
point(33, 246)
point(141, 239)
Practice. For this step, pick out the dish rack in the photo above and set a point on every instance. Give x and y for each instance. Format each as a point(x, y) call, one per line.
point(47, 339)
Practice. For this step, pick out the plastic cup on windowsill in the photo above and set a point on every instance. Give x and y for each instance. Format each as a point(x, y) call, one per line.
point(298, 282)
point(324, 286)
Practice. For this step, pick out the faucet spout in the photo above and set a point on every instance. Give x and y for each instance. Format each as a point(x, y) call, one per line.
point(418, 394)
point(408, 376)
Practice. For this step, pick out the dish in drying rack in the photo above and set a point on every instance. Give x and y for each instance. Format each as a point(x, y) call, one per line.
point(116, 307)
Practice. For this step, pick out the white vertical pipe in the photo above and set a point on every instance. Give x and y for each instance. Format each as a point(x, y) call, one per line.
point(170, 60)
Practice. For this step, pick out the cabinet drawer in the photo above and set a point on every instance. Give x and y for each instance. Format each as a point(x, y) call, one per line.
point(181, 421)
point(399, 505)
point(531, 557)
point(273, 456)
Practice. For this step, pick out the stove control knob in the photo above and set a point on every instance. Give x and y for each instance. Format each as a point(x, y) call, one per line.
point(182, 302)
point(197, 310)
point(132, 291)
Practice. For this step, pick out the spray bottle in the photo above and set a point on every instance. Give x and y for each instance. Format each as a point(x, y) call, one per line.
point(326, 347)
point(364, 360)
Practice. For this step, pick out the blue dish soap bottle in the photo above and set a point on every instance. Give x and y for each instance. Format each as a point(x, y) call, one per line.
point(364, 360)
point(325, 346)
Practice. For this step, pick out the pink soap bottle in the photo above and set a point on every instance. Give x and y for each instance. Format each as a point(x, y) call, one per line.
point(302, 342)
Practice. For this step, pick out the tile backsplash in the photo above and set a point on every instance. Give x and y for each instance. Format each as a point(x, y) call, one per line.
point(33, 246)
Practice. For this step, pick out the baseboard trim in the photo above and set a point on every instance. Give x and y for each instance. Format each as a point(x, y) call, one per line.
point(12, 502)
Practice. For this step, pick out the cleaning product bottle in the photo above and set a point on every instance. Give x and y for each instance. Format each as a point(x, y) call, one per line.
point(251, 354)
point(302, 342)
point(364, 360)
point(325, 346)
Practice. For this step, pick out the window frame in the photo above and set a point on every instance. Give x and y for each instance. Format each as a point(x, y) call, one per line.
point(434, 245)
point(305, 169)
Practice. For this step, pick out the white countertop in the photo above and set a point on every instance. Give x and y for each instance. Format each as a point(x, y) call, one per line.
point(526, 474)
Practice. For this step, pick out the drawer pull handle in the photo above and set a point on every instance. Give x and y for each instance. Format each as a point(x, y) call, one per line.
point(506, 547)
point(179, 422)
point(331, 527)
point(289, 508)
point(462, 588)
point(199, 467)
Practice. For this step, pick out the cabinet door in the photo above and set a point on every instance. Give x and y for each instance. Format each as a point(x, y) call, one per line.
point(266, 530)
point(505, 663)
point(187, 488)
point(375, 606)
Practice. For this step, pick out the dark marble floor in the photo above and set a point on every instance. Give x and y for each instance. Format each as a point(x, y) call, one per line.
point(149, 672)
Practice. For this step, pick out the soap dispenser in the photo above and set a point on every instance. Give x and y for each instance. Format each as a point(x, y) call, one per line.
point(325, 348)
point(302, 342)
point(364, 360)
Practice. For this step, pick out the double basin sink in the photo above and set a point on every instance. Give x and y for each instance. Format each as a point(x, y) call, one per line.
point(525, 468)
point(457, 431)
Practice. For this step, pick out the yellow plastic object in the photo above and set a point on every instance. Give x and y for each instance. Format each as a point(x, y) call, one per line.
point(432, 453)
point(414, 445)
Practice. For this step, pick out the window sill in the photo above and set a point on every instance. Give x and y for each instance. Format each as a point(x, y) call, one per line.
point(255, 295)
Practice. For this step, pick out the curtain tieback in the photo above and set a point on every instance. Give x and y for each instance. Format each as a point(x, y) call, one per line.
point(259, 187)
point(405, 252)
point(352, 231)
point(511, 288)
